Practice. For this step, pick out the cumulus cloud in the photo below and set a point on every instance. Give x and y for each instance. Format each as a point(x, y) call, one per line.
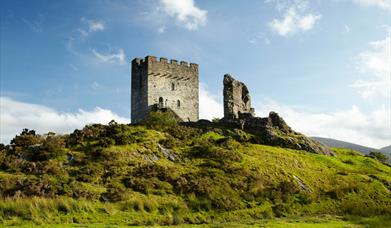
point(118, 57)
point(384, 4)
point(353, 125)
point(292, 22)
point(16, 115)
point(185, 12)
point(375, 63)
point(210, 105)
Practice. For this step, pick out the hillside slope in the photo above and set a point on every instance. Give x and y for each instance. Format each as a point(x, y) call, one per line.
point(386, 149)
point(347, 145)
point(164, 173)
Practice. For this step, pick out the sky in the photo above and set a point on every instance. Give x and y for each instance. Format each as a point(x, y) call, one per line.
point(323, 65)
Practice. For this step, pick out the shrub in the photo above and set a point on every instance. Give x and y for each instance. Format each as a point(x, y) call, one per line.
point(378, 156)
point(115, 192)
point(215, 120)
point(160, 120)
point(52, 147)
point(26, 138)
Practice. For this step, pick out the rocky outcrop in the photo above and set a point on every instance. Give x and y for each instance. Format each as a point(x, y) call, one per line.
point(271, 130)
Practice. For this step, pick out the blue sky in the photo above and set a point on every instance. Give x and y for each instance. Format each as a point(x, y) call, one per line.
point(323, 65)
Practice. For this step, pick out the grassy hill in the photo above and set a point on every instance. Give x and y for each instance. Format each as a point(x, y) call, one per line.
point(164, 173)
point(346, 145)
point(352, 146)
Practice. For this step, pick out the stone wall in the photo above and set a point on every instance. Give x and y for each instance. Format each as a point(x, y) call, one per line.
point(169, 84)
point(139, 90)
point(237, 100)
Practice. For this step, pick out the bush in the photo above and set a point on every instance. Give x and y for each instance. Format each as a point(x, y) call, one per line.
point(378, 156)
point(160, 120)
point(25, 139)
point(52, 147)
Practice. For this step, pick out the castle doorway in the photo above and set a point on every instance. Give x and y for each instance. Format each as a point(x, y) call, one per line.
point(161, 102)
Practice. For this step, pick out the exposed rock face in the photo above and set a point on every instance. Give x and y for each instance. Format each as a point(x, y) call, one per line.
point(274, 131)
point(271, 130)
point(237, 101)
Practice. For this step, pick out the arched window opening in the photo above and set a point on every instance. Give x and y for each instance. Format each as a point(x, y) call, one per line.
point(178, 103)
point(172, 86)
point(160, 102)
point(166, 103)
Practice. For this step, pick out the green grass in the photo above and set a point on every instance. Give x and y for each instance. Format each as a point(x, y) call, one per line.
point(120, 177)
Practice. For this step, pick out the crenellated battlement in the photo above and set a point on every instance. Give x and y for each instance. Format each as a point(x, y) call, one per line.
point(168, 83)
point(153, 60)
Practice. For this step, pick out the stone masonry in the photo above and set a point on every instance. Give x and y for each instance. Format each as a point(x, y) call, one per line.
point(162, 84)
point(237, 101)
point(169, 86)
point(271, 130)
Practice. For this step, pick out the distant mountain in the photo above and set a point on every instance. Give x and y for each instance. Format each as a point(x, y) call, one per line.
point(386, 149)
point(363, 149)
point(343, 144)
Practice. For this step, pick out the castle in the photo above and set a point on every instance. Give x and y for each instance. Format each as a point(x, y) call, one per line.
point(162, 84)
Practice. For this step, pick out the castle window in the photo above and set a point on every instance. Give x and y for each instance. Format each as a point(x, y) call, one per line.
point(172, 86)
point(178, 103)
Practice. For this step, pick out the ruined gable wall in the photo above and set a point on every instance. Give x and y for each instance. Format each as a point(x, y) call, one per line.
point(237, 101)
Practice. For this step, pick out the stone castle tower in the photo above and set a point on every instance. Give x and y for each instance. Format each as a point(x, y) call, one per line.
point(159, 84)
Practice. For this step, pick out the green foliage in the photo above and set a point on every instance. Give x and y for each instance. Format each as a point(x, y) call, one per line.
point(52, 147)
point(160, 120)
point(216, 120)
point(379, 156)
point(25, 139)
point(123, 174)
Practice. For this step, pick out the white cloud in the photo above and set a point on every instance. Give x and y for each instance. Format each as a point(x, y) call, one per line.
point(161, 29)
point(185, 12)
point(347, 28)
point(118, 57)
point(36, 24)
point(210, 105)
point(80, 34)
point(292, 22)
point(376, 63)
point(259, 37)
point(384, 4)
point(282, 5)
point(15, 115)
point(353, 125)
point(93, 25)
